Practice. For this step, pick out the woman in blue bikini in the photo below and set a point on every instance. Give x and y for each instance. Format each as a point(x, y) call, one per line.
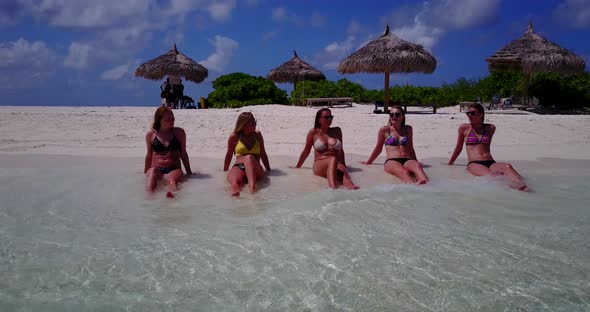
point(248, 145)
point(329, 161)
point(166, 148)
point(397, 138)
point(477, 136)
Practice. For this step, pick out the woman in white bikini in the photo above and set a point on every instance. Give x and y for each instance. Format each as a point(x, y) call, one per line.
point(329, 161)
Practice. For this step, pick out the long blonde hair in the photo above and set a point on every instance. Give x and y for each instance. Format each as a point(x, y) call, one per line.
point(242, 121)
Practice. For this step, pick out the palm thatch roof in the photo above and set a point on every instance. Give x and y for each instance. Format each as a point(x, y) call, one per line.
point(389, 54)
point(173, 63)
point(295, 70)
point(532, 53)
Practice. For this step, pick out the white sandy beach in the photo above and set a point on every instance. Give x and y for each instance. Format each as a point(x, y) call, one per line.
point(119, 131)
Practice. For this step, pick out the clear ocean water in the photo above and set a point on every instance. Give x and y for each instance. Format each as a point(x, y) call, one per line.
point(81, 237)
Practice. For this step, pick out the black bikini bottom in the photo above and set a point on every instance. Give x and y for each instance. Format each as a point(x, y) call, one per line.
point(166, 170)
point(487, 163)
point(241, 166)
point(399, 160)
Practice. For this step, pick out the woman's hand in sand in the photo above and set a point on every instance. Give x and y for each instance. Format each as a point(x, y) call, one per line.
point(294, 167)
point(364, 162)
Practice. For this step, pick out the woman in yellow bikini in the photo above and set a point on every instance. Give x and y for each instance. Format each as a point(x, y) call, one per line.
point(328, 153)
point(248, 145)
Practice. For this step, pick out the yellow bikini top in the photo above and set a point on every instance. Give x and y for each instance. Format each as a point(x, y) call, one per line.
point(241, 148)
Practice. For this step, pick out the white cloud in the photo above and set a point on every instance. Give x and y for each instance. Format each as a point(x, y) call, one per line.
point(428, 22)
point(281, 15)
point(575, 13)
point(333, 53)
point(317, 20)
point(117, 73)
point(224, 49)
point(24, 63)
point(220, 10)
point(22, 53)
point(78, 55)
point(88, 14)
point(278, 14)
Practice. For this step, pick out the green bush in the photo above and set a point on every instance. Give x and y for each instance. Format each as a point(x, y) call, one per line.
point(558, 91)
point(239, 89)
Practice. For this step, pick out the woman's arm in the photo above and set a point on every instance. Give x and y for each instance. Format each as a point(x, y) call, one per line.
point(378, 147)
point(306, 149)
point(263, 155)
point(410, 133)
point(459, 145)
point(149, 152)
point(341, 157)
point(231, 147)
point(183, 154)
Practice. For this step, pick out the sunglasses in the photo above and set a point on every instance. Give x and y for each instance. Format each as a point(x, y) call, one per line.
point(328, 117)
point(470, 113)
point(396, 114)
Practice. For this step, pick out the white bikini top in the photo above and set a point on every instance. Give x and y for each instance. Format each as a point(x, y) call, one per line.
point(319, 145)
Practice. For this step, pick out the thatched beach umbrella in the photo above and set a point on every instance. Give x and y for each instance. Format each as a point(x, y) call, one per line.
point(532, 53)
point(295, 70)
point(388, 54)
point(173, 63)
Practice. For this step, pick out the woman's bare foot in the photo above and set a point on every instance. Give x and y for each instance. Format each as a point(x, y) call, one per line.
point(421, 182)
point(519, 186)
point(169, 195)
point(236, 194)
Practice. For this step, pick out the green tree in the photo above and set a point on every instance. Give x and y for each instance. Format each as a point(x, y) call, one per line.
point(239, 89)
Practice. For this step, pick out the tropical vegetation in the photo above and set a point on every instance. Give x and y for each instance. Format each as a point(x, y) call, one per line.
point(552, 90)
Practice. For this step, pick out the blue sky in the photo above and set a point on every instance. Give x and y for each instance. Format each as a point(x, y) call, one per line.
point(81, 53)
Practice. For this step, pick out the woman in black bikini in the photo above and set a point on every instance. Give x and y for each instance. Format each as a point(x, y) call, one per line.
point(477, 136)
point(328, 153)
point(166, 148)
point(399, 148)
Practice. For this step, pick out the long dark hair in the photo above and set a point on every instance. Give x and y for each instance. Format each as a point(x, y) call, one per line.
point(158, 117)
point(480, 109)
point(403, 114)
point(317, 116)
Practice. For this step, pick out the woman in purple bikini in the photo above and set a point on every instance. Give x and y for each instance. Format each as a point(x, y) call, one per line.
point(166, 148)
point(401, 161)
point(477, 136)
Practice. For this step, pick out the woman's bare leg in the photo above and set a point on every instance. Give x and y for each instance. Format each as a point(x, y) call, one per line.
point(346, 181)
point(510, 173)
point(153, 175)
point(327, 168)
point(253, 169)
point(396, 169)
point(235, 177)
point(416, 168)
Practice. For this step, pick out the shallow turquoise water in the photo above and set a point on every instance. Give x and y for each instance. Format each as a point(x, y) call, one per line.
point(81, 238)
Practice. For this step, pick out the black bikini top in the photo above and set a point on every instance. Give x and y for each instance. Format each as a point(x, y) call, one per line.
point(159, 147)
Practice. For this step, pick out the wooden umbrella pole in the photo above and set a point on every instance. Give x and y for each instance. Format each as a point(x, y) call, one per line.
point(386, 99)
point(525, 86)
